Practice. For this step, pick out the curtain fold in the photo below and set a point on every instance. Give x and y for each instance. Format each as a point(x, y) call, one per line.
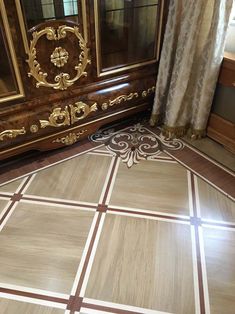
point(190, 60)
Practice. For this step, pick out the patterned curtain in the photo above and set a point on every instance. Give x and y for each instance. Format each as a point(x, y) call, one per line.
point(190, 60)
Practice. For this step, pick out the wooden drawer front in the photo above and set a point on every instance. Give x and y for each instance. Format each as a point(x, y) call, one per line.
point(40, 121)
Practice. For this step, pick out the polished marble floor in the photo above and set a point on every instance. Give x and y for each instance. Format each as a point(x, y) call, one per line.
point(91, 235)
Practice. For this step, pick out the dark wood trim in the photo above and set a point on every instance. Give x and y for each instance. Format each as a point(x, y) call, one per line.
point(222, 131)
point(227, 71)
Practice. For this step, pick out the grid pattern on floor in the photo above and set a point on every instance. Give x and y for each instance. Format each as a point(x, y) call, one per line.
point(90, 235)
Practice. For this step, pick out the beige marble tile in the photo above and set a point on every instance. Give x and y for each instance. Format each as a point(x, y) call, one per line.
point(79, 179)
point(11, 187)
point(3, 203)
point(41, 246)
point(220, 257)
point(215, 205)
point(152, 185)
point(143, 263)
point(18, 307)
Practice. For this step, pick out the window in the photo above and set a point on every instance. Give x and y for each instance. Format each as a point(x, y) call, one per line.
point(230, 40)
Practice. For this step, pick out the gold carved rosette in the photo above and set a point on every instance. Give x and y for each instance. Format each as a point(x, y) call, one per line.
point(59, 57)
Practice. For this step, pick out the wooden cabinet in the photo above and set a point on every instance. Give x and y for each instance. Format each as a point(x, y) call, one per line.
point(221, 124)
point(70, 67)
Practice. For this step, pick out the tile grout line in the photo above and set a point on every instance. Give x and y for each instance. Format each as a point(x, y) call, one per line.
point(25, 184)
point(14, 294)
point(107, 309)
point(146, 215)
point(28, 299)
point(50, 201)
point(76, 299)
point(117, 308)
point(92, 255)
point(86, 269)
point(86, 248)
point(107, 180)
point(201, 246)
point(193, 246)
point(36, 291)
point(198, 250)
point(8, 212)
point(218, 226)
point(110, 182)
point(13, 202)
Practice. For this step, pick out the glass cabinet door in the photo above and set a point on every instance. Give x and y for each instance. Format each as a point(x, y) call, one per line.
point(55, 38)
point(10, 82)
point(39, 11)
point(127, 32)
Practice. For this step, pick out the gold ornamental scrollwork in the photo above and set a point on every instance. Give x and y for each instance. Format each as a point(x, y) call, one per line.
point(57, 118)
point(70, 139)
point(119, 100)
point(149, 91)
point(9, 134)
point(69, 115)
point(59, 57)
point(62, 80)
point(80, 110)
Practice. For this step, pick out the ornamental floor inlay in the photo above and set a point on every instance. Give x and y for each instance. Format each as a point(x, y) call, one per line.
point(135, 143)
point(94, 235)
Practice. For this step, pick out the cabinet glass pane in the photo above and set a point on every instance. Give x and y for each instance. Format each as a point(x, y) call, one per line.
point(128, 31)
point(39, 11)
point(7, 80)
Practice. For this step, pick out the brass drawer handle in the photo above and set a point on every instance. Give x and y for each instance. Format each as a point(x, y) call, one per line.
point(68, 116)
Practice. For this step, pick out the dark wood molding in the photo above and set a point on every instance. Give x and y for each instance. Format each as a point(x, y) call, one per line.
point(222, 131)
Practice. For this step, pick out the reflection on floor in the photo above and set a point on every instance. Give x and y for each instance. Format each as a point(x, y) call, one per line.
point(90, 235)
point(214, 150)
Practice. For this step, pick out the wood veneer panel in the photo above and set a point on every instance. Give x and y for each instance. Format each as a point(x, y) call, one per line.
point(11, 187)
point(21, 165)
point(11, 307)
point(220, 256)
point(80, 179)
point(41, 246)
point(3, 203)
point(152, 185)
point(215, 205)
point(144, 263)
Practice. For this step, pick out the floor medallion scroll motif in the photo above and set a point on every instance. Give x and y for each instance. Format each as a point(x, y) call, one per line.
point(135, 143)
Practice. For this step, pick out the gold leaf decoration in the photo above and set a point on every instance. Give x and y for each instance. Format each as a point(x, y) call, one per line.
point(9, 134)
point(62, 80)
point(59, 57)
